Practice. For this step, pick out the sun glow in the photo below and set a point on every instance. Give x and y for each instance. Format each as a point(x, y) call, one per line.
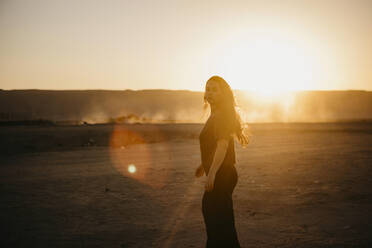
point(269, 93)
point(268, 62)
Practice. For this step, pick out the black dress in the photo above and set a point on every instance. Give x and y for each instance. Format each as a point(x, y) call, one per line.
point(217, 205)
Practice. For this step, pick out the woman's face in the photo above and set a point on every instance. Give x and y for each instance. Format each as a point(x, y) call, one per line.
point(212, 92)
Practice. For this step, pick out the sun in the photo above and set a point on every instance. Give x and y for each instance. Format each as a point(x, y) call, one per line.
point(268, 62)
point(273, 66)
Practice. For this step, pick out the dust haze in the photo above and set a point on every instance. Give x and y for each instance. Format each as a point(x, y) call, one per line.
point(180, 106)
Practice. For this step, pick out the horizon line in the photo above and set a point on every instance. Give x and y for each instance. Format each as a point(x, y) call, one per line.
point(162, 89)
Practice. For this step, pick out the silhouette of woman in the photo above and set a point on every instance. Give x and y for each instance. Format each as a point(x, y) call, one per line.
point(218, 159)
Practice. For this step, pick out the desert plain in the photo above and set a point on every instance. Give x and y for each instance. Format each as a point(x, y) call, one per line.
point(133, 185)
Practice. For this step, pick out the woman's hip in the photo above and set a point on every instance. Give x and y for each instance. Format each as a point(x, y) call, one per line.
point(226, 178)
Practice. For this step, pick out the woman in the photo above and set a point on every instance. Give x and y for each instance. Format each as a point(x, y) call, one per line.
point(218, 159)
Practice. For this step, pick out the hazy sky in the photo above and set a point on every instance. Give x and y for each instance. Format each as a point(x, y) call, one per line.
point(254, 45)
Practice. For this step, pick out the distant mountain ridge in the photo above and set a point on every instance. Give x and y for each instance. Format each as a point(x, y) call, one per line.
point(94, 106)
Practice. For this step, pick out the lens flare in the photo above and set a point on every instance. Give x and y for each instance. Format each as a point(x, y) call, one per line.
point(136, 154)
point(132, 168)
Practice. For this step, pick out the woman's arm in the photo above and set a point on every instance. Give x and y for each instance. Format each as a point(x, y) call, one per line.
point(218, 158)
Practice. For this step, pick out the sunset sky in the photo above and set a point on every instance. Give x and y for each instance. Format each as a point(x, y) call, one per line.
point(255, 45)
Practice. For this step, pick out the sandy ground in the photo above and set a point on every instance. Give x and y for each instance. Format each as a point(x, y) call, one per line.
point(300, 185)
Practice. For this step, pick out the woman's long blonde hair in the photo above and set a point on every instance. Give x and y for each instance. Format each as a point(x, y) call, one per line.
point(229, 107)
